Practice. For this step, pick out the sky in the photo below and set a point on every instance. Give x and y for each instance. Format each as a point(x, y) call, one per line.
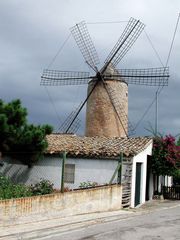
point(32, 32)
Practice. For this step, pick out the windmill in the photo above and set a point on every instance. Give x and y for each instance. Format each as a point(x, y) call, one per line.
point(107, 94)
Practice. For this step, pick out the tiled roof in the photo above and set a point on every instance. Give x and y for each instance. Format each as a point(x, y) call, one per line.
point(95, 146)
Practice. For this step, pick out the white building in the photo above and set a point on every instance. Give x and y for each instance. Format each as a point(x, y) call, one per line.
point(92, 159)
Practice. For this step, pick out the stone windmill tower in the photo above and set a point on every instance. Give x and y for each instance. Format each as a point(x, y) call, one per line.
point(107, 95)
point(107, 107)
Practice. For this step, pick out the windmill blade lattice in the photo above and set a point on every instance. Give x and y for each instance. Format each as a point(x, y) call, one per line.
point(148, 76)
point(59, 78)
point(85, 44)
point(125, 42)
point(67, 126)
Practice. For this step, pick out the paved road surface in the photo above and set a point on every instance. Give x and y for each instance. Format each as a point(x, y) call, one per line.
point(155, 220)
point(163, 224)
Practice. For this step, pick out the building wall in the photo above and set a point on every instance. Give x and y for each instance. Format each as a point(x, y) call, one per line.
point(93, 170)
point(151, 187)
point(168, 181)
point(140, 158)
point(50, 167)
point(162, 181)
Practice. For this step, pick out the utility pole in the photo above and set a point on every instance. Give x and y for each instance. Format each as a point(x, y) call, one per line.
point(156, 113)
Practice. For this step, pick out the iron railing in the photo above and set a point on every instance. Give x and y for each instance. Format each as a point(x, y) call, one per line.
point(171, 192)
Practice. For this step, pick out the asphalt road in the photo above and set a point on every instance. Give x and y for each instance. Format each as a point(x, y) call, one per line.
point(163, 224)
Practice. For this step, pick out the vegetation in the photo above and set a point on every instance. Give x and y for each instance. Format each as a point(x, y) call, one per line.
point(178, 142)
point(176, 176)
point(42, 188)
point(9, 190)
point(166, 156)
point(19, 139)
point(88, 184)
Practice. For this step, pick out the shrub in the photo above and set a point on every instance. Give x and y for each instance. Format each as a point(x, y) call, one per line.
point(176, 177)
point(9, 190)
point(5, 188)
point(41, 188)
point(4, 182)
point(88, 184)
point(20, 190)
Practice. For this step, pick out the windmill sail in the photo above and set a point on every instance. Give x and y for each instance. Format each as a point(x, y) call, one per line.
point(85, 44)
point(107, 106)
point(125, 42)
point(60, 78)
point(148, 76)
point(67, 126)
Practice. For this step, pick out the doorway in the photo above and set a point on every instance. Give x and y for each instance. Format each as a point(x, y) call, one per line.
point(138, 184)
point(148, 177)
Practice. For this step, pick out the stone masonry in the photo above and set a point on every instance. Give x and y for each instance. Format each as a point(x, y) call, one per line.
point(101, 118)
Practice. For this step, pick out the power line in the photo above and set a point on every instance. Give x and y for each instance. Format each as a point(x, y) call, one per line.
point(113, 22)
point(171, 46)
point(159, 58)
point(147, 110)
point(52, 61)
point(175, 31)
point(167, 61)
point(156, 96)
point(52, 103)
point(156, 53)
point(169, 54)
point(58, 52)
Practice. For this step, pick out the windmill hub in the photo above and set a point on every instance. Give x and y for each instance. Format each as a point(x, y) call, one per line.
point(98, 76)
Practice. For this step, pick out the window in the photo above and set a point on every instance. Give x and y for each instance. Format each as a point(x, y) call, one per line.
point(69, 173)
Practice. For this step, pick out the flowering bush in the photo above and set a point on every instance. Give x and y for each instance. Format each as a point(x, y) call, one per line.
point(166, 155)
point(88, 184)
point(41, 188)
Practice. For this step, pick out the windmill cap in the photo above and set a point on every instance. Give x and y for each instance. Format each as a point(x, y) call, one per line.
point(111, 70)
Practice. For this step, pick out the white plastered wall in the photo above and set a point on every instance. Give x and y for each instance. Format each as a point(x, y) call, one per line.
point(140, 158)
point(50, 168)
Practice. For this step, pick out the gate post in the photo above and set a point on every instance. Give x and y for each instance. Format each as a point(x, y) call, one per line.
point(117, 170)
point(62, 173)
point(120, 168)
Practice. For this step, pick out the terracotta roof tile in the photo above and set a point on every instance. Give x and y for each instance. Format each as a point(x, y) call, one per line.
point(95, 146)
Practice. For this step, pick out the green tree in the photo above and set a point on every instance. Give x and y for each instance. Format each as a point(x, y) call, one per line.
point(19, 139)
point(178, 142)
point(12, 119)
point(176, 176)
